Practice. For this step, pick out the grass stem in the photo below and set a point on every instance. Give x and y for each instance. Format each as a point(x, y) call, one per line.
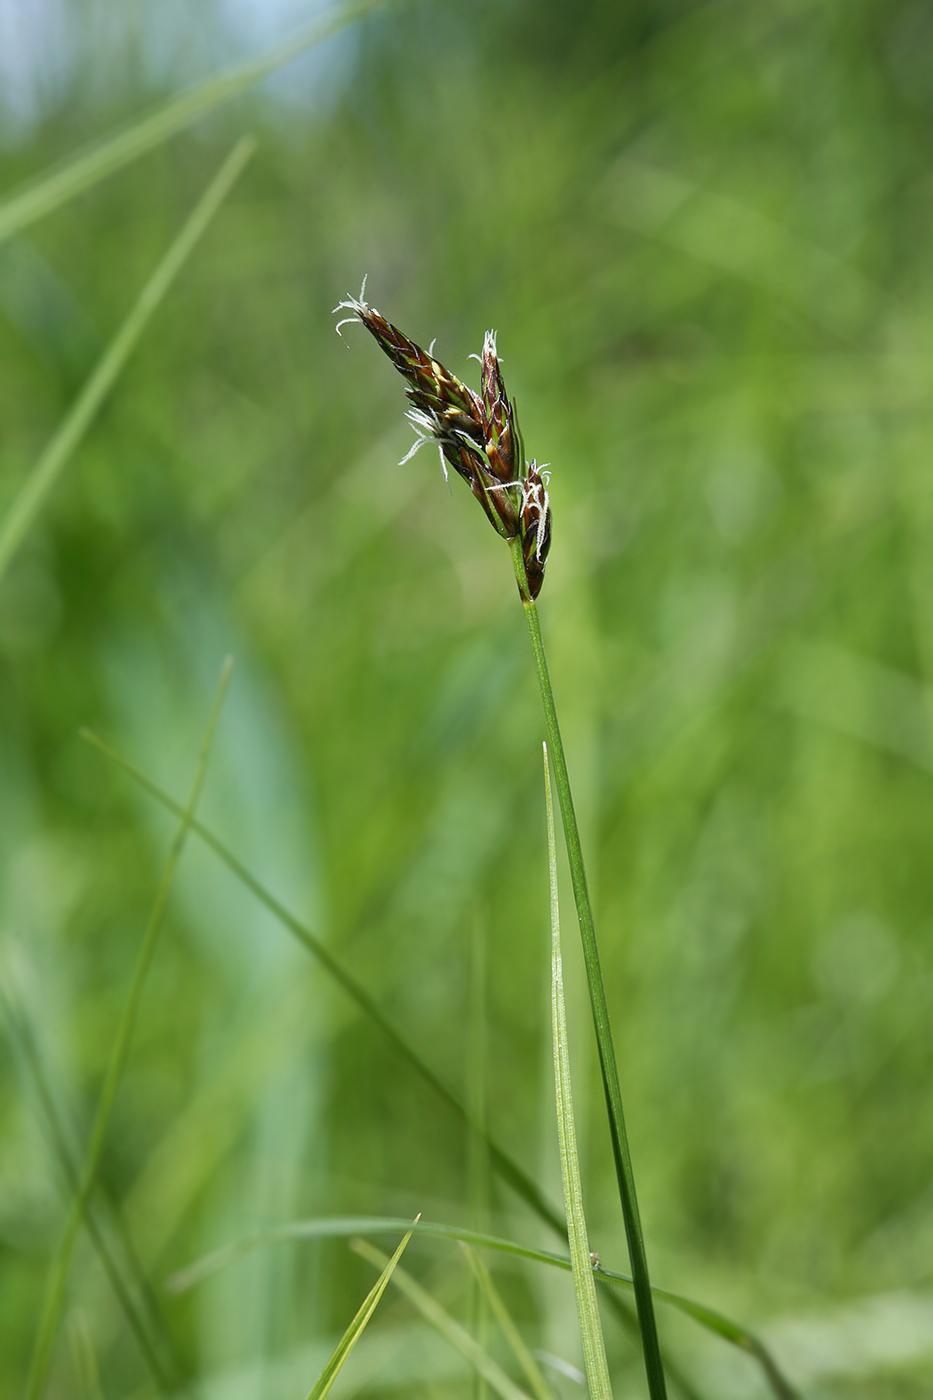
point(607, 1061)
point(505, 1165)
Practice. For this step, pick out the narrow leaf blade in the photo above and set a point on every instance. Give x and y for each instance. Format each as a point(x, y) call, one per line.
point(353, 1333)
point(438, 1317)
point(500, 1312)
point(55, 1292)
point(591, 1331)
point(725, 1328)
point(343, 1227)
point(87, 168)
point(31, 497)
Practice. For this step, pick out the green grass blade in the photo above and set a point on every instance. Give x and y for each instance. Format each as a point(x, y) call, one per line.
point(438, 1317)
point(84, 1359)
point(532, 1371)
point(503, 1164)
point(31, 496)
point(344, 1227)
point(507, 1168)
point(353, 1333)
point(477, 1151)
point(79, 173)
point(55, 1296)
point(477, 1172)
point(152, 1347)
point(591, 1331)
point(618, 1132)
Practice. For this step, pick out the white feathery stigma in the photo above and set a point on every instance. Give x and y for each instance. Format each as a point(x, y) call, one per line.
point(535, 495)
point(426, 430)
point(355, 304)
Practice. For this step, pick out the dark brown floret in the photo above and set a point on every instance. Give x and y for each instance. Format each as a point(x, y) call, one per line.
point(477, 435)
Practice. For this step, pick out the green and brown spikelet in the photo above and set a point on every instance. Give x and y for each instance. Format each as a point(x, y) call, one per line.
point(476, 434)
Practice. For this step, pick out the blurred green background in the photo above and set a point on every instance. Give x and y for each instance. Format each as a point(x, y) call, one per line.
point(703, 234)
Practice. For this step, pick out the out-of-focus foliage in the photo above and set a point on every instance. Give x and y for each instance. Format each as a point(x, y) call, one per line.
point(702, 232)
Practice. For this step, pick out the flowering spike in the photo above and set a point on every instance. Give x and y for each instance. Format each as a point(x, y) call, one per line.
point(477, 434)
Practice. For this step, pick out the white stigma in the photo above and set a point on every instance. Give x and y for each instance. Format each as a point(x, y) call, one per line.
point(355, 304)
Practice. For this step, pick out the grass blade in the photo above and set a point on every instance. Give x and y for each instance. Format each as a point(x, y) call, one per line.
point(477, 1167)
point(438, 1317)
point(148, 1330)
point(477, 1151)
point(55, 1296)
point(507, 1168)
point(79, 173)
point(353, 1333)
point(31, 496)
point(503, 1164)
point(344, 1227)
point(532, 1371)
point(591, 1331)
point(618, 1132)
point(84, 1359)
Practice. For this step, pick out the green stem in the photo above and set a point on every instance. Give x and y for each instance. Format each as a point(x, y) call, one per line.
point(607, 1060)
point(503, 1164)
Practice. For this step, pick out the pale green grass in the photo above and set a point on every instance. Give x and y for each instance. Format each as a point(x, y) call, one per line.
point(34, 491)
point(439, 1318)
point(591, 1331)
point(58, 1279)
point(529, 1366)
point(345, 1227)
point(48, 192)
point(356, 1328)
point(106, 1226)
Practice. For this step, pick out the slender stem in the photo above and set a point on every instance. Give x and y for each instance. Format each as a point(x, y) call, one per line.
point(503, 1164)
point(607, 1060)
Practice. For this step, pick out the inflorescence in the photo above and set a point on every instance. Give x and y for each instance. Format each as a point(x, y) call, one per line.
point(476, 434)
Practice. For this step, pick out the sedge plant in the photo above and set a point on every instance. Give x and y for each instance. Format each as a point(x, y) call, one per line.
point(477, 434)
point(506, 1167)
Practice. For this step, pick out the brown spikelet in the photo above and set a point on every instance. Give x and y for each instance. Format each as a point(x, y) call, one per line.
point(535, 526)
point(477, 434)
point(497, 415)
